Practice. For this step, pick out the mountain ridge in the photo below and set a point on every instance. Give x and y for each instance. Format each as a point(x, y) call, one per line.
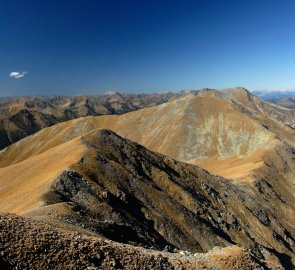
point(128, 178)
point(21, 117)
point(133, 188)
point(287, 103)
point(194, 128)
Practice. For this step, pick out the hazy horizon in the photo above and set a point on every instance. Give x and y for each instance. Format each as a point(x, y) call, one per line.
point(260, 93)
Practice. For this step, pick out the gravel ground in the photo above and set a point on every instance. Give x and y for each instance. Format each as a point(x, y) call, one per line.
point(29, 244)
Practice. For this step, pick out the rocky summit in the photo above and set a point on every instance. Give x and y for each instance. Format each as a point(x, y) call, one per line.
point(204, 181)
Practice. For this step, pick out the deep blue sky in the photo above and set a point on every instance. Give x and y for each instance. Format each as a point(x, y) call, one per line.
point(94, 46)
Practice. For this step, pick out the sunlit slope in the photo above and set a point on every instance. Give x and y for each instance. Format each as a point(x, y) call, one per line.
point(23, 184)
point(277, 119)
point(194, 129)
point(21, 117)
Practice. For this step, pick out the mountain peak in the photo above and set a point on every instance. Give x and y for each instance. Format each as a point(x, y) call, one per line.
point(115, 97)
point(237, 94)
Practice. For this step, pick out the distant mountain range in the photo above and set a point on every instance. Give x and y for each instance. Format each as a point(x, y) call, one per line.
point(287, 102)
point(23, 116)
point(273, 96)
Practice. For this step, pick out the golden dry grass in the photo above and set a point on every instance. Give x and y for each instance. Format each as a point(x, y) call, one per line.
point(237, 169)
point(23, 184)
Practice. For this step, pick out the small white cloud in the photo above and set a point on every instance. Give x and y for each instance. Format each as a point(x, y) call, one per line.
point(17, 74)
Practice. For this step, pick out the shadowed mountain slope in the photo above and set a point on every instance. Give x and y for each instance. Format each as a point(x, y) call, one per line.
point(120, 190)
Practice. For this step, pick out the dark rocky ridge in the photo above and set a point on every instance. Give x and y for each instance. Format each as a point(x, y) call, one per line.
point(156, 202)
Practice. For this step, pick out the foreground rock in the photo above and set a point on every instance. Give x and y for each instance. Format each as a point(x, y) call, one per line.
point(28, 244)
